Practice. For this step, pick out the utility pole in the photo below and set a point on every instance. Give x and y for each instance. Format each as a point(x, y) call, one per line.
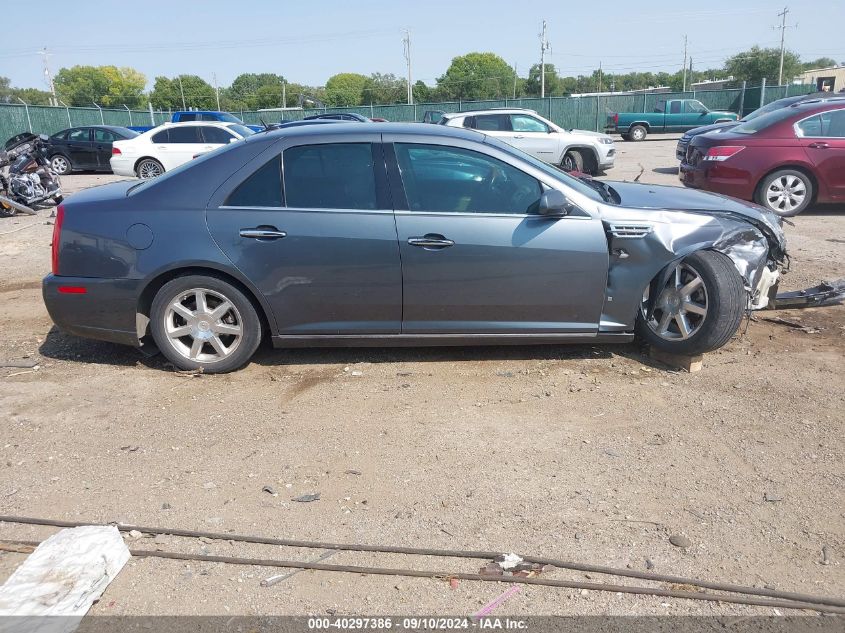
point(48, 77)
point(406, 42)
point(216, 90)
point(182, 92)
point(515, 75)
point(544, 46)
point(783, 26)
point(599, 77)
point(685, 64)
point(284, 93)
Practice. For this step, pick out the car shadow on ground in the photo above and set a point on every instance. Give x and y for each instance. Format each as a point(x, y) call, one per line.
point(58, 345)
point(822, 209)
point(665, 170)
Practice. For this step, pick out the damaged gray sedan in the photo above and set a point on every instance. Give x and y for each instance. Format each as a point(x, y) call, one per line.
point(400, 235)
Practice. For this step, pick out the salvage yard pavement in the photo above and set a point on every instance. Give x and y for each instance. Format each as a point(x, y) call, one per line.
point(593, 454)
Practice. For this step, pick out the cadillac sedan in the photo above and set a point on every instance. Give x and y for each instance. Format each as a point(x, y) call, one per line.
point(389, 234)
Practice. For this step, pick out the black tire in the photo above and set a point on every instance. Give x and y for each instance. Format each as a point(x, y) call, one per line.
point(572, 161)
point(625, 137)
point(61, 164)
point(637, 133)
point(149, 166)
point(242, 314)
point(783, 206)
point(725, 302)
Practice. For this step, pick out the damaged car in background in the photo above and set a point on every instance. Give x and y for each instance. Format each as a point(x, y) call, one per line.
point(389, 234)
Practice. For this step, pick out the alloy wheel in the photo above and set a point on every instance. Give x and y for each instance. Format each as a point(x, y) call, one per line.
point(149, 169)
point(638, 134)
point(785, 194)
point(203, 325)
point(60, 165)
point(681, 306)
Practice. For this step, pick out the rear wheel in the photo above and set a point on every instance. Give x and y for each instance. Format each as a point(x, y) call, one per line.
point(698, 308)
point(149, 168)
point(787, 192)
point(60, 164)
point(637, 133)
point(572, 161)
point(204, 322)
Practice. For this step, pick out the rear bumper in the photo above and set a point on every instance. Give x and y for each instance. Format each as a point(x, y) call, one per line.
point(122, 166)
point(717, 178)
point(105, 311)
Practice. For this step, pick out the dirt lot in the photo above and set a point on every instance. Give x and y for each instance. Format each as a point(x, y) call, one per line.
point(595, 454)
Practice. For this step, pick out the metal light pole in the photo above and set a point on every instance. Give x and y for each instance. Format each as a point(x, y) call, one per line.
point(407, 50)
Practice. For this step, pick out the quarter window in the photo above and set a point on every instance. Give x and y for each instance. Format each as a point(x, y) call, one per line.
point(451, 179)
point(161, 137)
point(493, 123)
point(674, 107)
point(525, 123)
point(262, 189)
point(330, 176)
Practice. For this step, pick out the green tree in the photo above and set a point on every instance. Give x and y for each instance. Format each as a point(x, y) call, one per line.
point(103, 85)
point(759, 63)
point(821, 62)
point(477, 76)
point(168, 93)
point(385, 88)
point(346, 89)
point(554, 83)
point(422, 93)
point(252, 91)
point(31, 96)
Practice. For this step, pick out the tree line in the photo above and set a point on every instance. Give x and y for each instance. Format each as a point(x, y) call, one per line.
point(473, 76)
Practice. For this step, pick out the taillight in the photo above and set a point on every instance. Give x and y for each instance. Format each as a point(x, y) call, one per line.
point(615, 118)
point(115, 151)
point(722, 152)
point(57, 237)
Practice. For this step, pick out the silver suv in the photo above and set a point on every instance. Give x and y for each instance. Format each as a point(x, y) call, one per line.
point(572, 150)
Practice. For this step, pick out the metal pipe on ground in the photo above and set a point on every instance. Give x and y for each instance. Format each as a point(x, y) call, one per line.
point(444, 553)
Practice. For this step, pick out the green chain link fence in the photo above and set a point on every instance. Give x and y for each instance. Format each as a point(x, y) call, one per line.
point(586, 113)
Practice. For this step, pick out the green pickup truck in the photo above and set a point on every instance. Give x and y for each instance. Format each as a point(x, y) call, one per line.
point(672, 115)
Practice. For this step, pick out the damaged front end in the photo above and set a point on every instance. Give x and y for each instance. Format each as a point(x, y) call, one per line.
point(646, 244)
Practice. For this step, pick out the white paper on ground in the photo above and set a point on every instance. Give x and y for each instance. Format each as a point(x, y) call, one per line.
point(62, 577)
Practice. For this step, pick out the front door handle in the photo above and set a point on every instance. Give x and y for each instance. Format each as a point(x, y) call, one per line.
point(263, 233)
point(819, 145)
point(519, 136)
point(431, 241)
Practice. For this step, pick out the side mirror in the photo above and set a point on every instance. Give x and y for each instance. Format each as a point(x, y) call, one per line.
point(554, 204)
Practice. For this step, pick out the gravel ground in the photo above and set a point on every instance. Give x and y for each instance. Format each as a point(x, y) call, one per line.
point(594, 454)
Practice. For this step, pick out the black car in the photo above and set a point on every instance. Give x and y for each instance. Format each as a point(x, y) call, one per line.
point(85, 148)
point(339, 116)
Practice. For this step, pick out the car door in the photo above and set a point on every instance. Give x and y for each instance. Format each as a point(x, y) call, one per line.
point(103, 140)
point(696, 115)
point(321, 247)
point(476, 256)
point(532, 135)
point(184, 142)
point(81, 149)
point(823, 138)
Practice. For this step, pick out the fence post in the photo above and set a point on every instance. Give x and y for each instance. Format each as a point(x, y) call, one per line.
point(598, 107)
point(102, 120)
point(644, 100)
point(67, 109)
point(26, 107)
point(130, 113)
point(742, 101)
point(152, 118)
point(763, 93)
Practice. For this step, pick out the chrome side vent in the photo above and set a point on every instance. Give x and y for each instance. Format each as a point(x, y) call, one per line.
point(630, 229)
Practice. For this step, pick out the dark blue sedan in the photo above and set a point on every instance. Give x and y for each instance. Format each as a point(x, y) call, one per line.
point(390, 234)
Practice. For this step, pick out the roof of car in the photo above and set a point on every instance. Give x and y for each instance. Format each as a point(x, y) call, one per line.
point(808, 104)
point(420, 129)
point(452, 115)
point(211, 123)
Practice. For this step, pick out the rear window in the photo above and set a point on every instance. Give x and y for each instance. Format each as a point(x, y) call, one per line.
point(767, 120)
point(241, 129)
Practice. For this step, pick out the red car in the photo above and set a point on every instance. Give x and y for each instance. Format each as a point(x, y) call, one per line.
point(784, 160)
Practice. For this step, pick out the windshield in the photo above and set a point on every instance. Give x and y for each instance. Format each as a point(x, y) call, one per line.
point(241, 129)
point(764, 121)
point(225, 117)
point(579, 185)
point(771, 107)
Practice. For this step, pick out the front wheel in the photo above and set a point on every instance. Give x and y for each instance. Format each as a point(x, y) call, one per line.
point(697, 309)
point(572, 161)
point(202, 322)
point(149, 168)
point(787, 192)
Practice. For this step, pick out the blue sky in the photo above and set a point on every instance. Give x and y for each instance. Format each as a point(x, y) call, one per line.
point(308, 41)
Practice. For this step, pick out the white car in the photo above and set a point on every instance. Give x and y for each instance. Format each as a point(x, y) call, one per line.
point(165, 147)
point(572, 150)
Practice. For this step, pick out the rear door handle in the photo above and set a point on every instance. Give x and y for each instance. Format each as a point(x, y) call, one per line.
point(819, 145)
point(519, 136)
point(431, 241)
point(263, 233)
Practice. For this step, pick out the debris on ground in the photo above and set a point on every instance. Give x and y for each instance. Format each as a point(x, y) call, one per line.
point(826, 293)
point(315, 496)
point(508, 561)
point(679, 540)
point(270, 491)
point(64, 576)
point(795, 325)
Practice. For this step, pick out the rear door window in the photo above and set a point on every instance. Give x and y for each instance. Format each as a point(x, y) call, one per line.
point(493, 122)
point(675, 107)
point(161, 137)
point(104, 136)
point(185, 134)
point(825, 125)
point(330, 176)
point(216, 135)
point(262, 189)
